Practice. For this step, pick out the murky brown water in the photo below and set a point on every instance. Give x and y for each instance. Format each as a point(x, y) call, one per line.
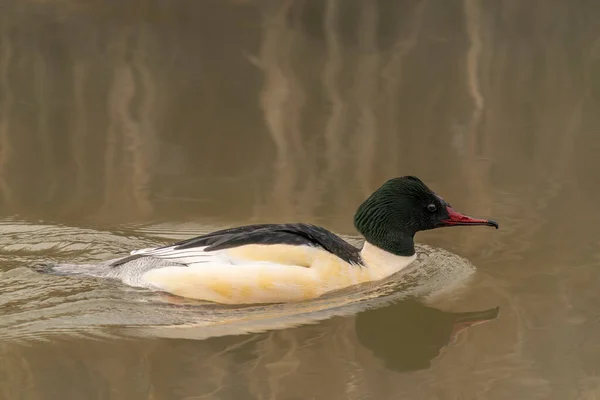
point(125, 124)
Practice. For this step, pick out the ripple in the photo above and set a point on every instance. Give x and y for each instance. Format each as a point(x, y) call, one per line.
point(35, 306)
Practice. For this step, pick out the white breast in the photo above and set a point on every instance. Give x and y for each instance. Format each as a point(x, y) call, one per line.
point(383, 263)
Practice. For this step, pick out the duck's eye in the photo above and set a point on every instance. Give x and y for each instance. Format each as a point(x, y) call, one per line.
point(432, 207)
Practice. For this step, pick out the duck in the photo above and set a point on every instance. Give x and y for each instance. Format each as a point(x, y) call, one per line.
point(288, 262)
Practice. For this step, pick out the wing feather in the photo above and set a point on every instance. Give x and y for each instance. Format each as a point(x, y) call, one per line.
point(206, 248)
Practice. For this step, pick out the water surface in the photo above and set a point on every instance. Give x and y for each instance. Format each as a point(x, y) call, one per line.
point(125, 124)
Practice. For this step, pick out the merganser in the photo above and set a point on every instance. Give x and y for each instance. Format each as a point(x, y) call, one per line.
point(275, 263)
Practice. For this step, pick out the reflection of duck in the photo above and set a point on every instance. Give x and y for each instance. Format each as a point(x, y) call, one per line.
point(408, 335)
point(289, 262)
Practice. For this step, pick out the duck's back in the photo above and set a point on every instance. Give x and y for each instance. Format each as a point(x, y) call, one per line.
point(290, 237)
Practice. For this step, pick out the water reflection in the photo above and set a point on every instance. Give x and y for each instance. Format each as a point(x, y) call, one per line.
point(408, 335)
point(228, 366)
point(138, 115)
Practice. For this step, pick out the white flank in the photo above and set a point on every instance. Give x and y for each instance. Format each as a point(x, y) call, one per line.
point(264, 273)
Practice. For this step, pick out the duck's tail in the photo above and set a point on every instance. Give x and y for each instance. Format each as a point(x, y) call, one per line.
point(131, 272)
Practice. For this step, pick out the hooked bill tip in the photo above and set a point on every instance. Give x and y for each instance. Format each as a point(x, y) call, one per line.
point(493, 223)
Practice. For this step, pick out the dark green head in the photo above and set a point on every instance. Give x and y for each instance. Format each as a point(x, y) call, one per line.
point(390, 217)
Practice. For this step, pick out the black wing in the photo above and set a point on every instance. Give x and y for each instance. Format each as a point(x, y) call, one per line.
point(292, 234)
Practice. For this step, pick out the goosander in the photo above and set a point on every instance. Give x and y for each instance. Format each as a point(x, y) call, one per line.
point(275, 263)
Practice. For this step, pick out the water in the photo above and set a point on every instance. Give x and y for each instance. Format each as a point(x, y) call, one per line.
point(130, 124)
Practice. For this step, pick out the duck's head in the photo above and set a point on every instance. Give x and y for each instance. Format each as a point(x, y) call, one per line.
point(400, 208)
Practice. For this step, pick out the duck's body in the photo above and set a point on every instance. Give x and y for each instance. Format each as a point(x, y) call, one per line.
point(263, 264)
point(288, 262)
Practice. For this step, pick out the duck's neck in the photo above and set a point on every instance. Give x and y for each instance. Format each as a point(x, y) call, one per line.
point(384, 262)
point(379, 228)
point(394, 242)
